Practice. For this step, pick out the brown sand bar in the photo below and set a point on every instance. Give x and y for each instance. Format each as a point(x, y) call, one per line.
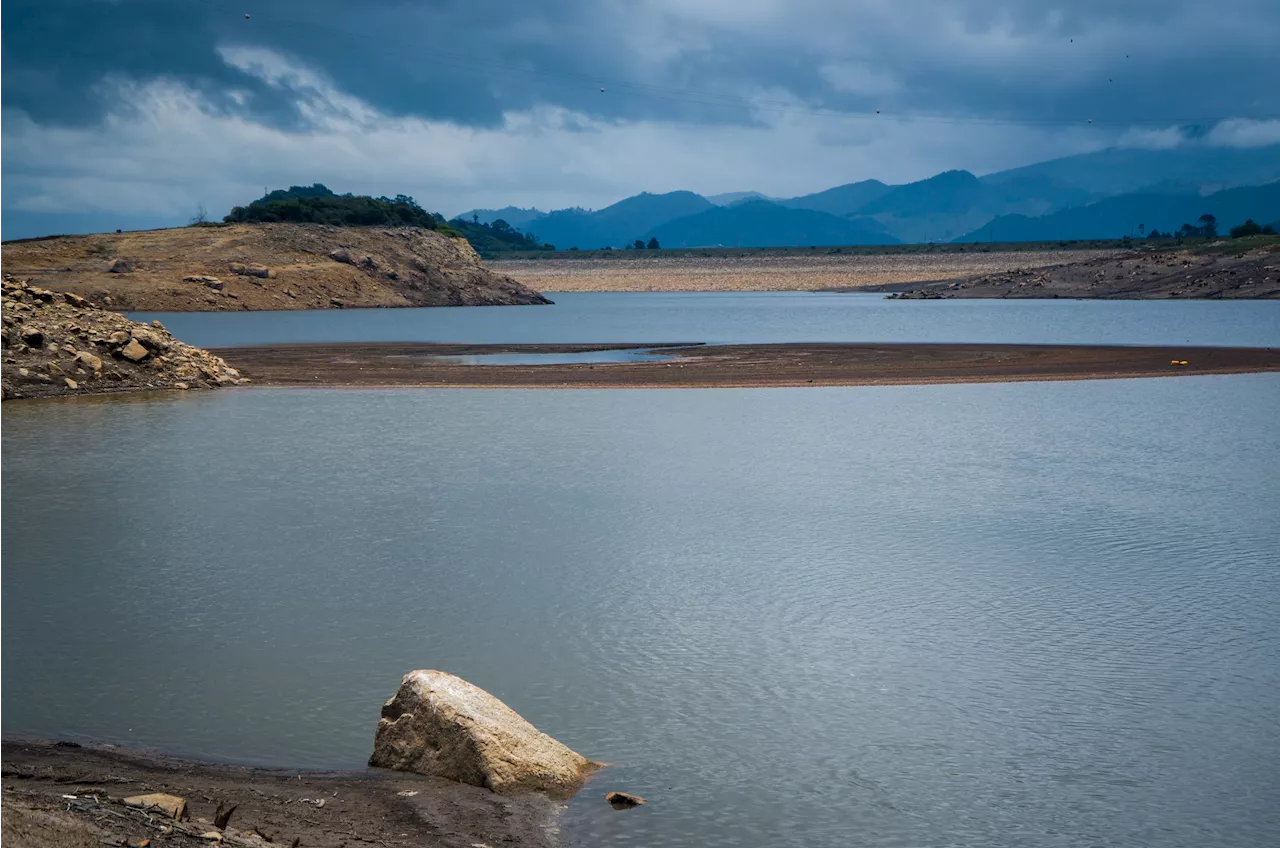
point(763, 271)
point(418, 364)
point(57, 796)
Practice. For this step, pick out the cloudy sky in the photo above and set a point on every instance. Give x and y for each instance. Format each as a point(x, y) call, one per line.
point(128, 113)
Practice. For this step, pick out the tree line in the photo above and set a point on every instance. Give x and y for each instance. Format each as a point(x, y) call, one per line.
point(1206, 226)
point(316, 204)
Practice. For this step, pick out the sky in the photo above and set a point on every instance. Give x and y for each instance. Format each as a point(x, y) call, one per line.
point(135, 113)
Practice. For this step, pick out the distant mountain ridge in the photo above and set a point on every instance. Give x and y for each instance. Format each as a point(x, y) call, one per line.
point(1134, 215)
point(841, 200)
point(759, 223)
point(1104, 194)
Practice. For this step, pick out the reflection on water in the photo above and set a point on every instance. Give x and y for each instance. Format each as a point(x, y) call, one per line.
point(585, 357)
point(1038, 614)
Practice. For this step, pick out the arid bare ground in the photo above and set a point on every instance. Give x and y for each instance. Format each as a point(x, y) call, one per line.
point(1250, 274)
point(716, 366)
point(634, 271)
point(264, 266)
point(56, 796)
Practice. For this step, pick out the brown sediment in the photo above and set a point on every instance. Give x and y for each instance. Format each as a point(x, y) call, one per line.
point(417, 364)
point(68, 797)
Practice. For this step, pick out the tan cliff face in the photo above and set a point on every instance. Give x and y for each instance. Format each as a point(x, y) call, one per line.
point(265, 266)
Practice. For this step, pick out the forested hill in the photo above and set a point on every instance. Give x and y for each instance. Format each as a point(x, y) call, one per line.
point(316, 204)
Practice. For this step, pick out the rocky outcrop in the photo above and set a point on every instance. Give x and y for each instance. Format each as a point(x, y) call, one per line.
point(438, 724)
point(60, 344)
point(265, 266)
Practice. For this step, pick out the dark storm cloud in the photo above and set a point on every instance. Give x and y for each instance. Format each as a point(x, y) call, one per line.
point(138, 112)
point(710, 62)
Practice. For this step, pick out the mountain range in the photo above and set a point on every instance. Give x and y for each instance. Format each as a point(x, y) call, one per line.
point(1106, 194)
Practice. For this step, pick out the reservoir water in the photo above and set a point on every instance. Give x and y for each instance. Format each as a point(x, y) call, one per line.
point(1034, 614)
point(753, 318)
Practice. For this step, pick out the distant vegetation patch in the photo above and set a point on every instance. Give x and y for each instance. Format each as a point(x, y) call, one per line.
point(316, 204)
point(497, 237)
point(1252, 228)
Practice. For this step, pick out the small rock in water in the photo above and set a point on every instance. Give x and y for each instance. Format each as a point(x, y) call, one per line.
point(441, 725)
point(624, 800)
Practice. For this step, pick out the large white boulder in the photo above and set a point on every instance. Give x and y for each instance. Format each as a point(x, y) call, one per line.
point(438, 724)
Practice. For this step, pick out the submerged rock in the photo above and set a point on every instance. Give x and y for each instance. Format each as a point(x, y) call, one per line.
point(624, 800)
point(438, 724)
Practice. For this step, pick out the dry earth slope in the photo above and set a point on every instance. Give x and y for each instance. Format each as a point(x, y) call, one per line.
point(265, 266)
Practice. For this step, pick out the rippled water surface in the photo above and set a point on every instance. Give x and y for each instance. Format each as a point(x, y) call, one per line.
point(1035, 614)
point(754, 318)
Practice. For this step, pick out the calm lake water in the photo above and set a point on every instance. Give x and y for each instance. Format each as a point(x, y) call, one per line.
point(754, 317)
point(1033, 614)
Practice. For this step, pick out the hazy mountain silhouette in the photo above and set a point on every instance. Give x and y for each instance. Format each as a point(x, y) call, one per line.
point(759, 223)
point(619, 224)
point(513, 215)
point(954, 202)
point(948, 206)
point(1119, 216)
point(1128, 170)
point(841, 200)
point(731, 197)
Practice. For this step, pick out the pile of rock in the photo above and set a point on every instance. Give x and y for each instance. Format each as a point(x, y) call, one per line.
point(60, 344)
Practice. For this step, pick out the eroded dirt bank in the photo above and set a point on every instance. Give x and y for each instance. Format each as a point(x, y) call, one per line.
point(265, 266)
point(1184, 275)
point(71, 797)
point(414, 364)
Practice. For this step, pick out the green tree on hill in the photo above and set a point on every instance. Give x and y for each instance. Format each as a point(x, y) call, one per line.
point(316, 204)
point(653, 244)
point(498, 237)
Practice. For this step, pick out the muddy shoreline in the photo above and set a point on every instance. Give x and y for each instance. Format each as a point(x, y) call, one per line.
point(61, 795)
point(702, 366)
